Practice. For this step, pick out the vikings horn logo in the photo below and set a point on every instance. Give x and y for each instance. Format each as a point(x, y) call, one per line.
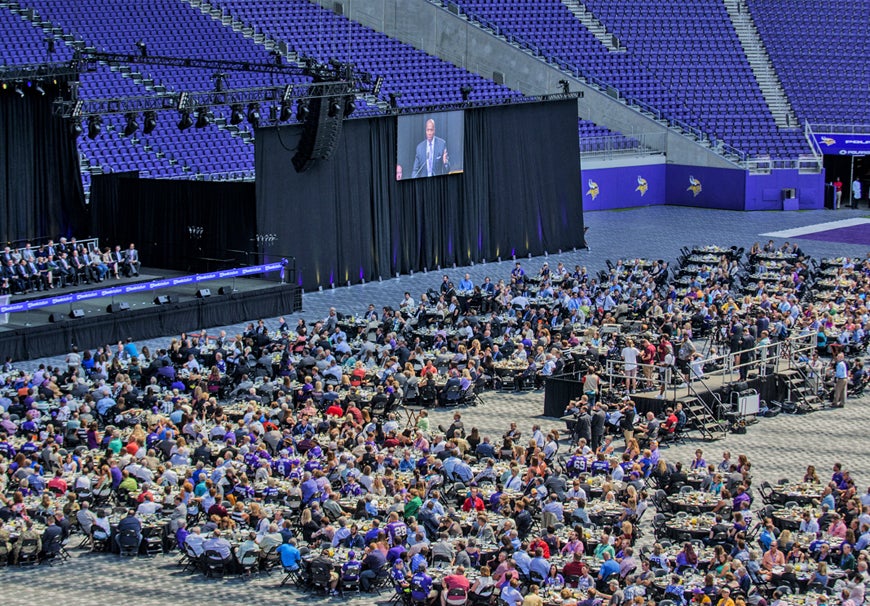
point(694, 186)
point(593, 189)
point(642, 186)
point(828, 140)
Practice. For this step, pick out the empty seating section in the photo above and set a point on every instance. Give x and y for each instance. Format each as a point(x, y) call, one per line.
point(25, 44)
point(418, 78)
point(820, 55)
point(683, 58)
point(692, 48)
point(312, 31)
point(174, 28)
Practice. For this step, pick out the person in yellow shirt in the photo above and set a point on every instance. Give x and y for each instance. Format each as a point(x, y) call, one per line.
point(533, 599)
point(725, 600)
point(729, 305)
point(699, 598)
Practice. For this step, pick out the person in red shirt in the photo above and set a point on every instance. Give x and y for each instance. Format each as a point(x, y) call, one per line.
point(355, 412)
point(57, 484)
point(335, 410)
point(664, 346)
point(457, 580)
point(575, 568)
point(671, 421)
point(540, 544)
point(429, 370)
point(473, 501)
point(648, 358)
point(357, 377)
point(838, 192)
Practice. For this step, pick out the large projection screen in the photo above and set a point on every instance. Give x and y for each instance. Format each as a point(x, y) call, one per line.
point(430, 145)
point(348, 219)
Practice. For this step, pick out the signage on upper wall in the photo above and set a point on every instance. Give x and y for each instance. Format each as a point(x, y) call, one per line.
point(843, 145)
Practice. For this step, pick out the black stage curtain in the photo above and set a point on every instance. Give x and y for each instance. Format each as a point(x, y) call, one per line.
point(347, 218)
point(155, 214)
point(41, 191)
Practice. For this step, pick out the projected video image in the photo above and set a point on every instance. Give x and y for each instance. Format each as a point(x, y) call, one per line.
point(430, 145)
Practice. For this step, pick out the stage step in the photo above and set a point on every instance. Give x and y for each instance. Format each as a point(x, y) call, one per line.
point(702, 419)
point(801, 389)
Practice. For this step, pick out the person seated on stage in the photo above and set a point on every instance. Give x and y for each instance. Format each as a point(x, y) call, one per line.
point(131, 261)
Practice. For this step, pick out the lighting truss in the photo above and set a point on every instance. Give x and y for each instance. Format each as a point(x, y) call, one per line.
point(39, 72)
point(191, 100)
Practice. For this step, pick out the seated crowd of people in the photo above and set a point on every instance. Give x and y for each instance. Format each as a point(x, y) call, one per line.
point(347, 500)
point(68, 262)
point(294, 434)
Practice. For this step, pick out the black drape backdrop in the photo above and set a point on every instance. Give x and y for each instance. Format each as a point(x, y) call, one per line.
point(347, 218)
point(40, 185)
point(155, 214)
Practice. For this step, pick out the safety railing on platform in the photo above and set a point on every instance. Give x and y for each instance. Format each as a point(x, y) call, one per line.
point(611, 146)
point(767, 358)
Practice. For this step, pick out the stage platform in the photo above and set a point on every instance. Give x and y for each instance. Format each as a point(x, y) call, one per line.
point(719, 384)
point(560, 390)
point(33, 334)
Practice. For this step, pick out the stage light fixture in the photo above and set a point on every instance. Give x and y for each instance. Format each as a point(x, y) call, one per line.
point(394, 100)
point(349, 106)
point(302, 111)
point(202, 118)
point(95, 126)
point(185, 122)
point(379, 83)
point(19, 91)
point(334, 108)
point(40, 90)
point(150, 122)
point(254, 114)
point(286, 112)
point(236, 115)
point(131, 125)
point(466, 90)
point(75, 127)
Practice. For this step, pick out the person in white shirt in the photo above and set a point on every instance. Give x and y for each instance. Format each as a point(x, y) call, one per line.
point(148, 506)
point(629, 357)
point(809, 524)
point(407, 302)
point(195, 541)
point(538, 436)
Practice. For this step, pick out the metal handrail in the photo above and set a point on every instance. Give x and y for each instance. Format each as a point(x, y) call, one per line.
point(842, 129)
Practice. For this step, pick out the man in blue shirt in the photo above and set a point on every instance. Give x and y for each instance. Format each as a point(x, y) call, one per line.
point(841, 373)
point(290, 556)
point(105, 404)
point(485, 449)
point(539, 566)
point(466, 283)
point(608, 566)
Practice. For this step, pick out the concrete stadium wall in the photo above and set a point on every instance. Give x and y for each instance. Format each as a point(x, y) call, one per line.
point(453, 38)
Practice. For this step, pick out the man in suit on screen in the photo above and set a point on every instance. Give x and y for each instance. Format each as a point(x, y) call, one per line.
point(431, 158)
